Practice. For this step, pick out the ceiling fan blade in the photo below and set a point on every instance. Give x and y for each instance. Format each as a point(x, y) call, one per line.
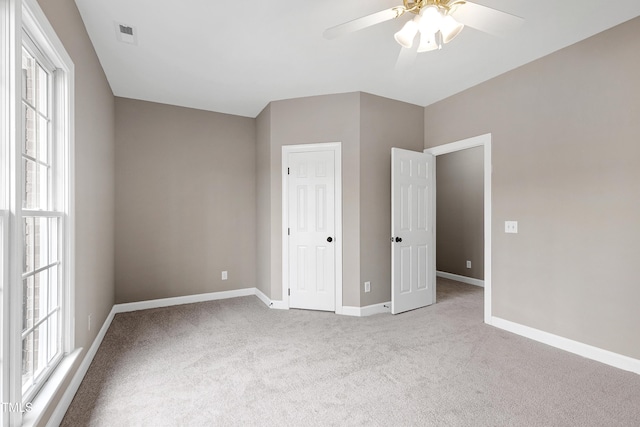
point(486, 19)
point(364, 22)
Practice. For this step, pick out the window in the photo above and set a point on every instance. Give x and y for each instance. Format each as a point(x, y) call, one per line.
point(41, 223)
point(36, 212)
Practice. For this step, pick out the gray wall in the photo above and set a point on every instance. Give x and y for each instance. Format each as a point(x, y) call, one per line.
point(94, 156)
point(367, 126)
point(263, 203)
point(185, 201)
point(384, 123)
point(329, 118)
point(566, 165)
point(460, 212)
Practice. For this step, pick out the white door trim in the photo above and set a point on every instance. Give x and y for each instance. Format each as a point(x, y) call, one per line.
point(478, 141)
point(336, 147)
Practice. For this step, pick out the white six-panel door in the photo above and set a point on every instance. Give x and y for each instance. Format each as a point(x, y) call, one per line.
point(412, 230)
point(311, 229)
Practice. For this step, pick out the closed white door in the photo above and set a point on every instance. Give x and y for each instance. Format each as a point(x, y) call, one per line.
point(312, 239)
point(412, 230)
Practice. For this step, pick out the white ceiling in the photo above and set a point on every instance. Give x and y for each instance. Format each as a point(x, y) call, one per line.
point(236, 57)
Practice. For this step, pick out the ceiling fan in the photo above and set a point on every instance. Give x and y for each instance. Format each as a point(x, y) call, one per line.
point(437, 22)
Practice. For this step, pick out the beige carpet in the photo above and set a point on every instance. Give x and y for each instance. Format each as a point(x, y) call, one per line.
point(236, 362)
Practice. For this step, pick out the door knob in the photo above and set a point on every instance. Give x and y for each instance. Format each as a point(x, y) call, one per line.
point(398, 239)
point(329, 239)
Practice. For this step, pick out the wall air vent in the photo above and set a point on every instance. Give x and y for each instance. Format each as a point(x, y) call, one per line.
point(126, 33)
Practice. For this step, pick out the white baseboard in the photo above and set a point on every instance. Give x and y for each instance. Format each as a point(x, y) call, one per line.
point(350, 311)
point(345, 311)
point(590, 352)
point(279, 305)
point(70, 392)
point(263, 297)
point(463, 279)
point(384, 307)
point(189, 299)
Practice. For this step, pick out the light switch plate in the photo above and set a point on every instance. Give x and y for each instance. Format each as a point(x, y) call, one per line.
point(511, 227)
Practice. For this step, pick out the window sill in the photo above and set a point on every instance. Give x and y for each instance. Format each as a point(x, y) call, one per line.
point(43, 399)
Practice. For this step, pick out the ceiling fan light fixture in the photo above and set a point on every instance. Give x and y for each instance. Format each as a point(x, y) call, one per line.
point(450, 28)
point(430, 19)
point(427, 42)
point(405, 36)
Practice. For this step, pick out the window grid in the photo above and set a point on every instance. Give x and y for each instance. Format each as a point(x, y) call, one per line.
point(36, 149)
point(41, 227)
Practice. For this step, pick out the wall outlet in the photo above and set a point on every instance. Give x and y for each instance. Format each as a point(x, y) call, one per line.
point(89, 322)
point(468, 264)
point(367, 286)
point(511, 227)
point(224, 275)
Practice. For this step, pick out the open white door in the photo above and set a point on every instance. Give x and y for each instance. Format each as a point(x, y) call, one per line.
point(413, 275)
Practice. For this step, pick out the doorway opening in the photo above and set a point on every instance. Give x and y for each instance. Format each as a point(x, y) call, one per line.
point(485, 142)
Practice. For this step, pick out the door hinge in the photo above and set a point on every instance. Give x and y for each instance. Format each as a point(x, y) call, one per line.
point(289, 293)
point(288, 232)
point(288, 171)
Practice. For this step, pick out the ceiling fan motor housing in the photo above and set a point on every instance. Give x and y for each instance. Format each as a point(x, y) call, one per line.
point(445, 6)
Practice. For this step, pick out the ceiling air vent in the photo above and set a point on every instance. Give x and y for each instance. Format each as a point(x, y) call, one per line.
point(126, 33)
point(126, 30)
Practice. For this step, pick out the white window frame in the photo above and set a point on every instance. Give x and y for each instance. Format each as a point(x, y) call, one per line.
point(8, 43)
point(58, 212)
point(17, 16)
